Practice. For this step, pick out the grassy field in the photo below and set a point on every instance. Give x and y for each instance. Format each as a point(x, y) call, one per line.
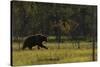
point(67, 53)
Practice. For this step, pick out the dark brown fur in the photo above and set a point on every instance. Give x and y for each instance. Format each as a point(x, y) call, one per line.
point(35, 40)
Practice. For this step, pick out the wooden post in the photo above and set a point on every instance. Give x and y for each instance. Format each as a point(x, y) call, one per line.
point(94, 34)
point(93, 49)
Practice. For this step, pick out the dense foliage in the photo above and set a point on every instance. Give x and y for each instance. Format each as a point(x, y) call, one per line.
point(30, 18)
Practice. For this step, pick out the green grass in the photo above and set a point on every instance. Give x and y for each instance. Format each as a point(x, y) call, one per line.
point(67, 53)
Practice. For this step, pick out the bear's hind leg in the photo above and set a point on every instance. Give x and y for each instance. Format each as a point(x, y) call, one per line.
point(24, 46)
point(30, 47)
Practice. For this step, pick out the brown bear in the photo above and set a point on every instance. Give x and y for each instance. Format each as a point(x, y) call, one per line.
point(35, 40)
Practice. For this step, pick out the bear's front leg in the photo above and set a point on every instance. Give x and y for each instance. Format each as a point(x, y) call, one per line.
point(38, 47)
point(42, 46)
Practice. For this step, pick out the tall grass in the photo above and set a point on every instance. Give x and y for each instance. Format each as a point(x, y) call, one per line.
point(67, 53)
